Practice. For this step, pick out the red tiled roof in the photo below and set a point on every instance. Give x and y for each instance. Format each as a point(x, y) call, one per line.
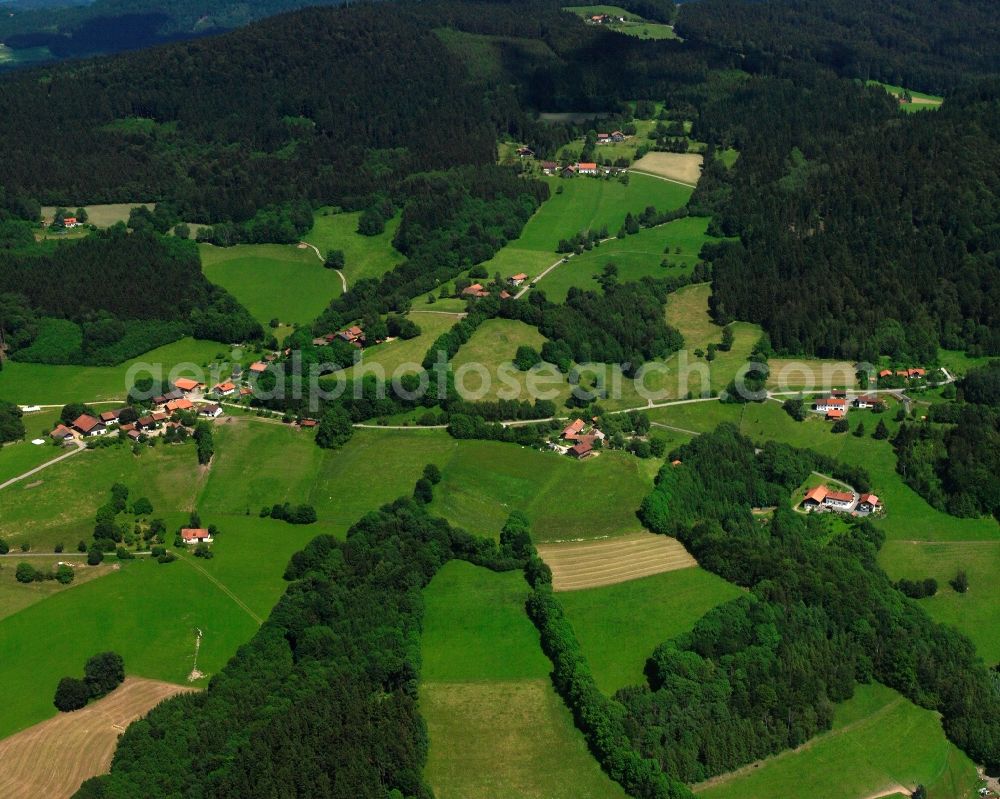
point(186, 384)
point(885, 373)
point(109, 416)
point(505, 295)
point(158, 416)
point(519, 276)
point(842, 496)
point(194, 533)
point(227, 386)
point(258, 367)
point(587, 165)
point(179, 405)
point(818, 494)
point(308, 423)
point(834, 401)
point(871, 499)
point(582, 448)
point(834, 414)
point(85, 422)
point(573, 430)
point(61, 431)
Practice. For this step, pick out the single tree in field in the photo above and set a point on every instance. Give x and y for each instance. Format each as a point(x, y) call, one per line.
point(881, 431)
point(841, 426)
point(859, 431)
point(334, 429)
point(334, 259)
point(25, 573)
point(432, 473)
point(960, 582)
point(71, 694)
point(82, 216)
point(423, 491)
point(103, 673)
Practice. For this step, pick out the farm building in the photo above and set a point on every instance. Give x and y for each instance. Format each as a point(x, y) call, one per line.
point(518, 279)
point(869, 503)
point(572, 432)
point(196, 535)
point(87, 425)
point(867, 401)
point(586, 168)
point(211, 411)
point(581, 450)
point(188, 385)
point(475, 290)
point(549, 167)
point(61, 433)
point(110, 418)
point(258, 367)
point(823, 497)
point(224, 389)
point(352, 335)
point(831, 404)
point(179, 405)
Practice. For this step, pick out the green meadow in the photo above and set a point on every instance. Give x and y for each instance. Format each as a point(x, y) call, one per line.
point(273, 281)
point(921, 101)
point(15, 596)
point(635, 257)
point(392, 355)
point(620, 625)
point(633, 25)
point(497, 729)
point(581, 203)
point(879, 740)
point(364, 256)
point(42, 384)
point(18, 457)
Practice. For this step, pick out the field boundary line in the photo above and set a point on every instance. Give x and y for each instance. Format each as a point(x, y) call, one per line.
point(223, 587)
point(315, 249)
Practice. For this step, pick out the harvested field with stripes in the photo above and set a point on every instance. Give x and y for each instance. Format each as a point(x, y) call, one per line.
point(590, 564)
point(52, 758)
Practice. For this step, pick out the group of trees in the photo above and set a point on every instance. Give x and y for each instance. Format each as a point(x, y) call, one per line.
point(11, 422)
point(293, 514)
point(26, 573)
point(951, 458)
point(102, 673)
point(762, 673)
point(131, 292)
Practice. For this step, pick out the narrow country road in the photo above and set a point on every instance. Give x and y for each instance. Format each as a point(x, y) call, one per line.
point(76, 449)
point(343, 280)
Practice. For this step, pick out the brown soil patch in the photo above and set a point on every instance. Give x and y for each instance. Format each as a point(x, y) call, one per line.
point(682, 167)
point(595, 563)
point(52, 758)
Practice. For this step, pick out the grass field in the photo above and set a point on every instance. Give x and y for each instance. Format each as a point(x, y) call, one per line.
point(585, 203)
point(147, 612)
point(497, 729)
point(17, 457)
point(52, 758)
point(364, 256)
point(495, 342)
point(620, 625)
point(879, 742)
point(636, 257)
point(42, 384)
point(977, 612)
point(392, 355)
point(100, 215)
point(15, 596)
point(565, 500)
point(921, 101)
point(273, 281)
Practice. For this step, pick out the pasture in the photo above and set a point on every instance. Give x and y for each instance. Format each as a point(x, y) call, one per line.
point(43, 384)
point(920, 101)
point(403, 355)
point(53, 757)
point(565, 500)
point(147, 612)
point(15, 596)
point(633, 25)
point(880, 742)
point(592, 564)
point(496, 727)
point(577, 204)
point(273, 281)
point(681, 167)
point(620, 625)
point(364, 256)
point(976, 612)
point(18, 457)
point(635, 257)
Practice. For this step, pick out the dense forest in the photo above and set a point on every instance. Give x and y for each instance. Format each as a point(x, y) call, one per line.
point(863, 231)
point(952, 458)
point(760, 674)
point(111, 296)
point(187, 123)
point(921, 44)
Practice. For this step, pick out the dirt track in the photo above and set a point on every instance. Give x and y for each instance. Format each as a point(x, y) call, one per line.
point(53, 757)
point(589, 564)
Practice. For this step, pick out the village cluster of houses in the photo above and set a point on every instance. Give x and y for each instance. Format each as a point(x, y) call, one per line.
point(907, 374)
point(163, 407)
point(578, 439)
point(822, 498)
point(580, 168)
point(604, 19)
point(837, 404)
